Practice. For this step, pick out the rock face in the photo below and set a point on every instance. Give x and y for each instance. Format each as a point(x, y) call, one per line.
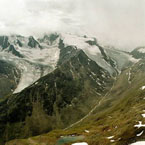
point(9, 78)
point(4, 42)
point(139, 52)
point(49, 39)
point(11, 49)
point(33, 43)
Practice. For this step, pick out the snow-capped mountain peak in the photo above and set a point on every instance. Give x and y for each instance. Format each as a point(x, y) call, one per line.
point(37, 57)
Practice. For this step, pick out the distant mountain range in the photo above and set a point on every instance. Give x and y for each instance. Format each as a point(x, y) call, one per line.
point(35, 58)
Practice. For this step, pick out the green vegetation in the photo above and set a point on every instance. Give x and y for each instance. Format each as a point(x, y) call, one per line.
point(39, 122)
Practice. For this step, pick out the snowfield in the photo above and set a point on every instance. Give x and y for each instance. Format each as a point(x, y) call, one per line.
point(120, 58)
point(139, 143)
point(83, 143)
point(141, 50)
point(143, 87)
point(37, 62)
point(140, 133)
point(110, 137)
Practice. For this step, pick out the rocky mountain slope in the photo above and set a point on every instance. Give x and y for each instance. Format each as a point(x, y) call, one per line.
point(117, 120)
point(109, 58)
point(29, 57)
point(9, 78)
point(35, 58)
point(139, 52)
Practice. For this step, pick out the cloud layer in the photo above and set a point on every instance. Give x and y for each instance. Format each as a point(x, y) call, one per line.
point(117, 22)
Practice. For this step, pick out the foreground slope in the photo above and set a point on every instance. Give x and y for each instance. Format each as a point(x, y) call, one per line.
point(118, 120)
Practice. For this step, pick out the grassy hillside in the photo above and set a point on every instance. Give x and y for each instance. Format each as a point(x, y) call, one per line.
point(112, 122)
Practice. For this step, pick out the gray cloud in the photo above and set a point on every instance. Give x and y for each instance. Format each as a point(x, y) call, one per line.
point(116, 22)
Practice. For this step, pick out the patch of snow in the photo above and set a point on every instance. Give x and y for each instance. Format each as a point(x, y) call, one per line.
point(98, 83)
point(132, 59)
point(81, 143)
point(93, 73)
point(72, 135)
point(139, 125)
point(142, 50)
point(139, 143)
point(61, 136)
point(143, 115)
point(80, 43)
point(143, 87)
point(110, 137)
point(103, 75)
point(87, 131)
point(129, 76)
point(36, 83)
point(140, 133)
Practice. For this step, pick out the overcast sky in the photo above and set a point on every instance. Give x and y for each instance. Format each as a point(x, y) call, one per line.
point(117, 22)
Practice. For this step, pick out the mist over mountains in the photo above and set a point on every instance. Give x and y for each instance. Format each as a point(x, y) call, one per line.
point(118, 23)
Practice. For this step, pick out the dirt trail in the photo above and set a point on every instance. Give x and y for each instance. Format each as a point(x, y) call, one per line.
point(92, 110)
